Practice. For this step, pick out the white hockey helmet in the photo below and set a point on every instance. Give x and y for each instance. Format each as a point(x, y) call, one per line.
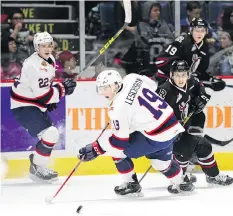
point(107, 78)
point(41, 38)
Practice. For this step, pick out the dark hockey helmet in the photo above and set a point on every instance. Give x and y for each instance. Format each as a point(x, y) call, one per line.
point(179, 66)
point(198, 22)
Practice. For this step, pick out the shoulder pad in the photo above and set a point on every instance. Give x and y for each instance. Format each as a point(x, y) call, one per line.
point(180, 38)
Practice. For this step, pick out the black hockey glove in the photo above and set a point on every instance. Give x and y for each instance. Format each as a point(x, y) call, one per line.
point(51, 107)
point(69, 85)
point(217, 84)
point(90, 152)
point(199, 103)
point(66, 87)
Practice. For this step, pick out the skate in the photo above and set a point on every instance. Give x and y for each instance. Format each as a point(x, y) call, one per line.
point(41, 174)
point(184, 187)
point(132, 188)
point(189, 177)
point(220, 179)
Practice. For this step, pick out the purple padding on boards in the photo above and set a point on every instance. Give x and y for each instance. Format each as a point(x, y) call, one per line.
point(15, 138)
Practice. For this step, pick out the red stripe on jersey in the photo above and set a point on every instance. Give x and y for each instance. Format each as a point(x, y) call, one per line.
point(45, 94)
point(48, 143)
point(153, 132)
point(119, 138)
point(42, 154)
point(126, 171)
point(208, 166)
point(161, 75)
point(164, 61)
point(175, 174)
point(116, 159)
point(29, 102)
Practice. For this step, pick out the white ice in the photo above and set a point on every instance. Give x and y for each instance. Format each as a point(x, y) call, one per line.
point(24, 198)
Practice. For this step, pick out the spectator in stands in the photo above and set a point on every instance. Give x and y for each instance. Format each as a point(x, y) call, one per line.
point(194, 9)
point(10, 65)
point(152, 35)
point(136, 15)
point(222, 62)
point(66, 65)
point(22, 35)
point(93, 25)
point(227, 19)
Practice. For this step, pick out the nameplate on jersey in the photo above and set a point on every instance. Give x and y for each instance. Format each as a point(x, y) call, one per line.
point(52, 27)
point(133, 91)
point(41, 12)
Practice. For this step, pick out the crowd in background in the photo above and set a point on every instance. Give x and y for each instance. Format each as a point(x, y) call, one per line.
point(16, 40)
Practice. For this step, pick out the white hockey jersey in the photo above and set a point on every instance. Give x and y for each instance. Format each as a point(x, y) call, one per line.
point(138, 108)
point(34, 86)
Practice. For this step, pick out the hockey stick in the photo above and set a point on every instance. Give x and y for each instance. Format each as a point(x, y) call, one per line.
point(50, 199)
point(218, 142)
point(149, 168)
point(209, 84)
point(128, 17)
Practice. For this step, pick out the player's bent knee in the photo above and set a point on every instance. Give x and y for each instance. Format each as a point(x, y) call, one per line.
point(160, 165)
point(50, 135)
point(203, 148)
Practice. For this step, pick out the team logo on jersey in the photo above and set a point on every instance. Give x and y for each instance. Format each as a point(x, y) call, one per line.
point(180, 39)
point(44, 69)
point(162, 93)
point(178, 97)
point(44, 63)
point(196, 61)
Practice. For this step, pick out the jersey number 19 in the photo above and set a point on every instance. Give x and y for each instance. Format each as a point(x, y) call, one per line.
point(152, 99)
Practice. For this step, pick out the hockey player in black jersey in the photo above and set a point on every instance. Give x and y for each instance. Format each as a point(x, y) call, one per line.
point(192, 48)
point(185, 95)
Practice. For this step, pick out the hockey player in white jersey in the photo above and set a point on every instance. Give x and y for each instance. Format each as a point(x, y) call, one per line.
point(144, 125)
point(32, 96)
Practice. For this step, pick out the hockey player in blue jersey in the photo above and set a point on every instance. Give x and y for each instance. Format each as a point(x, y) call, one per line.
point(144, 125)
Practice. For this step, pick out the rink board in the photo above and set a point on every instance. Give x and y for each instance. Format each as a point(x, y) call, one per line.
point(100, 166)
point(85, 114)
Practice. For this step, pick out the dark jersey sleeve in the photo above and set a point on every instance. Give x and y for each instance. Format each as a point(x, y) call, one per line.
point(198, 88)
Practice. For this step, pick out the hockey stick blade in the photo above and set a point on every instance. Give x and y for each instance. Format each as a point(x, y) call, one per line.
point(218, 142)
point(229, 86)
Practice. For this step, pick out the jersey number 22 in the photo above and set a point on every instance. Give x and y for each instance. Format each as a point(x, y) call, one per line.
point(152, 102)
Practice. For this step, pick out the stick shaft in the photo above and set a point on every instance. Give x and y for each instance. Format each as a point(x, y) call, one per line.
point(78, 164)
point(76, 167)
point(149, 168)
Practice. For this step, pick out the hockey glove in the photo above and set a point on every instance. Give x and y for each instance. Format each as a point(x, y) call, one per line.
point(199, 103)
point(69, 85)
point(51, 107)
point(66, 87)
point(90, 152)
point(217, 84)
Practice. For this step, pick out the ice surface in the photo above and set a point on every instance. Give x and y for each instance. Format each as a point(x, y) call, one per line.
point(22, 197)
